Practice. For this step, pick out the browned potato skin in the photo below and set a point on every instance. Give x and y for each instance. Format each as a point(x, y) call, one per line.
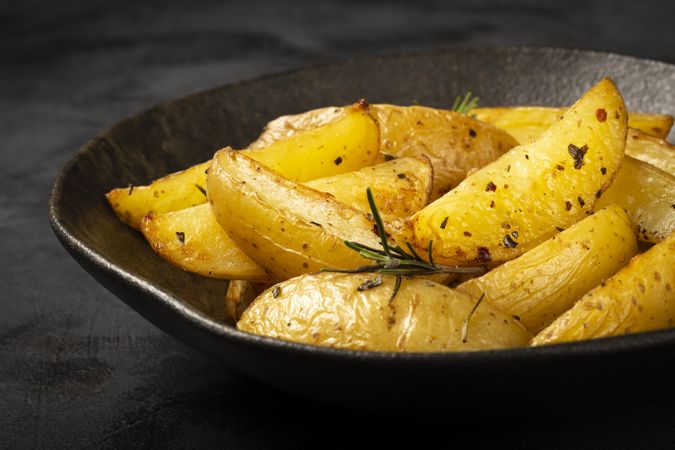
point(532, 190)
point(648, 195)
point(526, 123)
point(328, 309)
point(546, 281)
point(655, 151)
point(640, 297)
point(455, 143)
point(285, 227)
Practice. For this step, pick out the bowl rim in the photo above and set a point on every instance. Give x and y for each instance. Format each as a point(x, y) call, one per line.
point(607, 346)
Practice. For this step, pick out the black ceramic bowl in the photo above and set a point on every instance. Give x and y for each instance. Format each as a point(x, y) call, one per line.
point(180, 133)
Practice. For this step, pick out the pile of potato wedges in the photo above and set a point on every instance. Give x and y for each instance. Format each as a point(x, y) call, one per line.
point(568, 212)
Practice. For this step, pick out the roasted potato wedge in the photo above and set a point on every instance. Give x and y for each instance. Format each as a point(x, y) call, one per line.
point(285, 227)
point(640, 297)
point(334, 310)
point(240, 294)
point(347, 144)
point(523, 198)
point(546, 281)
point(648, 196)
point(193, 240)
point(455, 143)
point(400, 187)
point(526, 123)
point(170, 193)
point(655, 151)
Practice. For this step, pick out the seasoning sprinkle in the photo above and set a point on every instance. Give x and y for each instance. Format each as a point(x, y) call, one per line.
point(508, 242)
point(369, 284)
point(491, 187)
point(581, 201)
point(181, 237)
point(338, 160)
point(577, 153)
point(201, 189)
point(276, 291)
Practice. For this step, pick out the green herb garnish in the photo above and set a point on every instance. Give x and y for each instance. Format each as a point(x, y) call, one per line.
point(465, 104)
point(394, 260)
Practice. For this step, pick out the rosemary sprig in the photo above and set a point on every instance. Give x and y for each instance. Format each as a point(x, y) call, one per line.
point(465, 104)
point(394, 260)
point(465, 327)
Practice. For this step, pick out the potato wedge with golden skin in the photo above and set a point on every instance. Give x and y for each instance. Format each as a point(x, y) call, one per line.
point(347, 144)
point(400, 187)
point(515, 203)
point(455, 143)
point(240, 294)
point(640, 297)
point(546, 281)
point(526, 123)
point(329, 309)
point(285, 227)
point(647, 194)
point(341, 146)
point(170, 193)
point(655, 151)
point(192, 240)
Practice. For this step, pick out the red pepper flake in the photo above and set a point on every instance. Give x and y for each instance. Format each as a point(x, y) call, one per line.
point(401, 175)
point(581, 201)
point(490, 187)
point(181, 237)
point(603, 170)
point(444, 223)
point(472, 133)
point(508, 242)
point(338, 160)
point(467, 234)
point(483, 254)
point(601, 114)
point(578, 154)
point(568, 205)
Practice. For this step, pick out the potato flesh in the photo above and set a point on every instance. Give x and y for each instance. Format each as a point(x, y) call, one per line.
point(546, 281)
point(648, 195)
point(526, 123)
point(285, 227)
point(170, 193)
point(456, 144)
point(344, 145)
point(400, 187)
point(657, 152)
point(640, 297)
point(240, 294)
point(328, 309)
point(192, 240)
point(531, 191)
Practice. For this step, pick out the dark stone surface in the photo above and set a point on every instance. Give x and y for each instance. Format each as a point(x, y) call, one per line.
point(78, 369)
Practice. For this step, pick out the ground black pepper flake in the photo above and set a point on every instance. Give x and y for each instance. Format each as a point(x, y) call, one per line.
point(181, 237)
point(560, 229)
point(388, 157)
point(472, 133)
point(338, 160)
point(568, 205)
point(527, 156)
point(514, 234)
point(201, 189)
point(276, 291)
point(598, 194)
point(577, 153)
point(467, 233)
point(483, 254)
point(131, 188)
point(508, 242)
point(492, 204)
point(315, 223)
point(444, 223)
point(581, 201)
point(603, 170)
point(559, 167)
point(490, 187)
point(401, 175)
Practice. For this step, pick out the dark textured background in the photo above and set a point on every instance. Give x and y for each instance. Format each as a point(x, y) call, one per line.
point(78, 369)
